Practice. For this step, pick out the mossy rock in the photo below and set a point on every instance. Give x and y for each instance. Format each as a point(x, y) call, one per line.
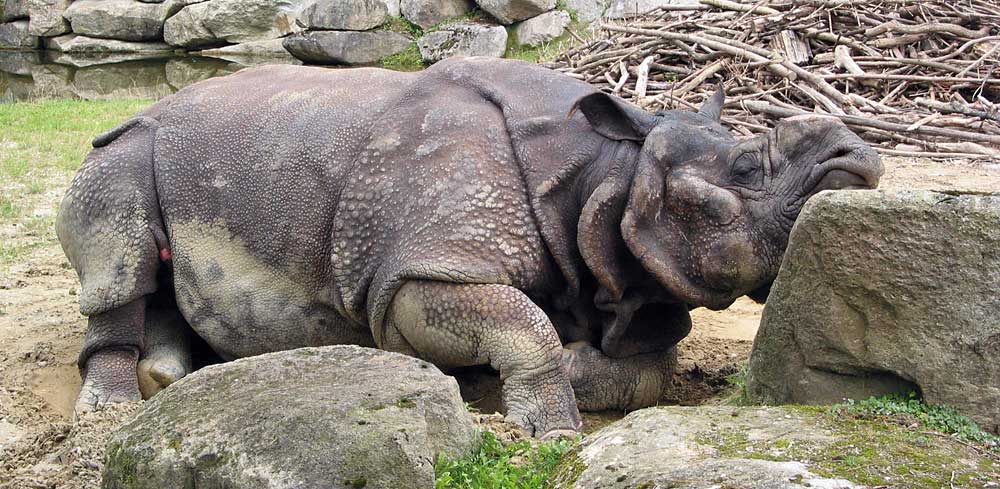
point(340, 416)
point(766, 448)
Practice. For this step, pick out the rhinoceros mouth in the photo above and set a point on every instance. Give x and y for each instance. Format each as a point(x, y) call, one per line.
point(841, 180)
point(848, 168)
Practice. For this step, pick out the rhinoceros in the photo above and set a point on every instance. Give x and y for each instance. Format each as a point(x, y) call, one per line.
point(480, 212)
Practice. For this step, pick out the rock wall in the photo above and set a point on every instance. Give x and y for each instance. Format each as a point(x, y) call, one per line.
point(313, 31)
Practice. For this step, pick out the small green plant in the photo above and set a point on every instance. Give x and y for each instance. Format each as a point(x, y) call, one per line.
point(403, 26)
point(406, 60)
point(521, 465)
point(741, 397)
point(909, 409)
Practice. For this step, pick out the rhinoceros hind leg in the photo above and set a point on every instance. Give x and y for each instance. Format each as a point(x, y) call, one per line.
point(110, 355)
point(603, 383)
point(167, 354)
point(456, 325)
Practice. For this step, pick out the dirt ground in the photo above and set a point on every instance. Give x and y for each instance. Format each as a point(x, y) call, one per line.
point(41, 331)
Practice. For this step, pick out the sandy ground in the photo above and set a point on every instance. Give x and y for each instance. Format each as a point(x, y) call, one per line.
point(41, 330)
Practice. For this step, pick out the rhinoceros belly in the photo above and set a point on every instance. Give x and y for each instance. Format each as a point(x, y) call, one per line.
point(242, 305)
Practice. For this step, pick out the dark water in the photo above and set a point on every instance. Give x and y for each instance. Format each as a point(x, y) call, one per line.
point(46, 75)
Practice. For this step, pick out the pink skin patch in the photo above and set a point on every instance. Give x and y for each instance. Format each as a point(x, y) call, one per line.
point(165, 254)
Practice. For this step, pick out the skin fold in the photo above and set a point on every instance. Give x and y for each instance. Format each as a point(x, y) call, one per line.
point(480, 212)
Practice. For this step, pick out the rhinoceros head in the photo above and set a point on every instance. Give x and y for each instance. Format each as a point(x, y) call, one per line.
point(707, 215)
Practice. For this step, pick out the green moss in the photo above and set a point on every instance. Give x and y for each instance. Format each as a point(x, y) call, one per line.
point(866, 451)
point(404, 403)
point(403, 26)
point(570, 468)
point(356, 483)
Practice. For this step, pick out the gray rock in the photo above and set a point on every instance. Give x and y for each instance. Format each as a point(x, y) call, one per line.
point(126, 20)
point(624, 9)
point(392, 7)
point(587, 10)
point(14, 35)
point(542, 28)
point(11, 10)
point(271, 48)
point(345, 47)
point(510, 11)
point(427, 13)
point(219, 22)
point(886, 291)
point(672, 447)
point(46, 17)
point(83, 59)
point(72, 43)
point(350, 15)
point(19, 62)
point(463, 39)
point(314, 417)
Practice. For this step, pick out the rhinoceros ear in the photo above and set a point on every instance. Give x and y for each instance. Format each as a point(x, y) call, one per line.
point(712, 108)
point(615, 118)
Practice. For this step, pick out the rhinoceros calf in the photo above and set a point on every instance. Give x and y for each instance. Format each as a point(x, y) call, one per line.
point(480, 212)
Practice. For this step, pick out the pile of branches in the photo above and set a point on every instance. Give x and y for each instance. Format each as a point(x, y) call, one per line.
point(914, 78)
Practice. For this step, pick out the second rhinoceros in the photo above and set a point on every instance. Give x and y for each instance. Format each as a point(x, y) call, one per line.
point(480, 212)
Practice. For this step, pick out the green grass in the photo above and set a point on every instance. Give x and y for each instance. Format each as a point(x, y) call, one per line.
point(521, 465)
point(41, 146)
point(911, 409)
point(407, 60)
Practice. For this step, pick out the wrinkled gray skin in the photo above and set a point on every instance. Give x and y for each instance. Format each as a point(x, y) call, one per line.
point(481, 212)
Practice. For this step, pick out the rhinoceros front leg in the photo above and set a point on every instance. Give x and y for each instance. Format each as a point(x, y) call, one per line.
point(456, 325)
point(602, 383)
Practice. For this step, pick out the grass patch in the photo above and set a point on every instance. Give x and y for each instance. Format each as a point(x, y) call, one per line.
point(406, 60)
point(521, 465)
point(546, 51)
point(911, 409)
point(41, 146)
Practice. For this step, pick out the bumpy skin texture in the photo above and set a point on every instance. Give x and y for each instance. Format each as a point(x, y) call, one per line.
point(482, 211)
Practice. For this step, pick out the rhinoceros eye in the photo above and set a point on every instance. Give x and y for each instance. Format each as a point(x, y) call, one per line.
point(747, 171)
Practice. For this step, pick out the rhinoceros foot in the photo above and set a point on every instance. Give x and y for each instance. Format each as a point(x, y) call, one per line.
point(109, 378)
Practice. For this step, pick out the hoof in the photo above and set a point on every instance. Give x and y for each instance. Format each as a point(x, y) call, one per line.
point(156, 374)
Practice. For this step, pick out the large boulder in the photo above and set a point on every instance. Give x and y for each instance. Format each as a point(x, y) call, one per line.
point(46, 17)
point(463, 39)
point(13, 10)
point(271, 48)
point(678, 447)
point(351, 15)
point(219, 22)
point(542, 28)
point(428, 13)
point(338, 416)
point(345, 47)
point(885, 292)
point(127, 20)
point(510, 11)
point(15, 35)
